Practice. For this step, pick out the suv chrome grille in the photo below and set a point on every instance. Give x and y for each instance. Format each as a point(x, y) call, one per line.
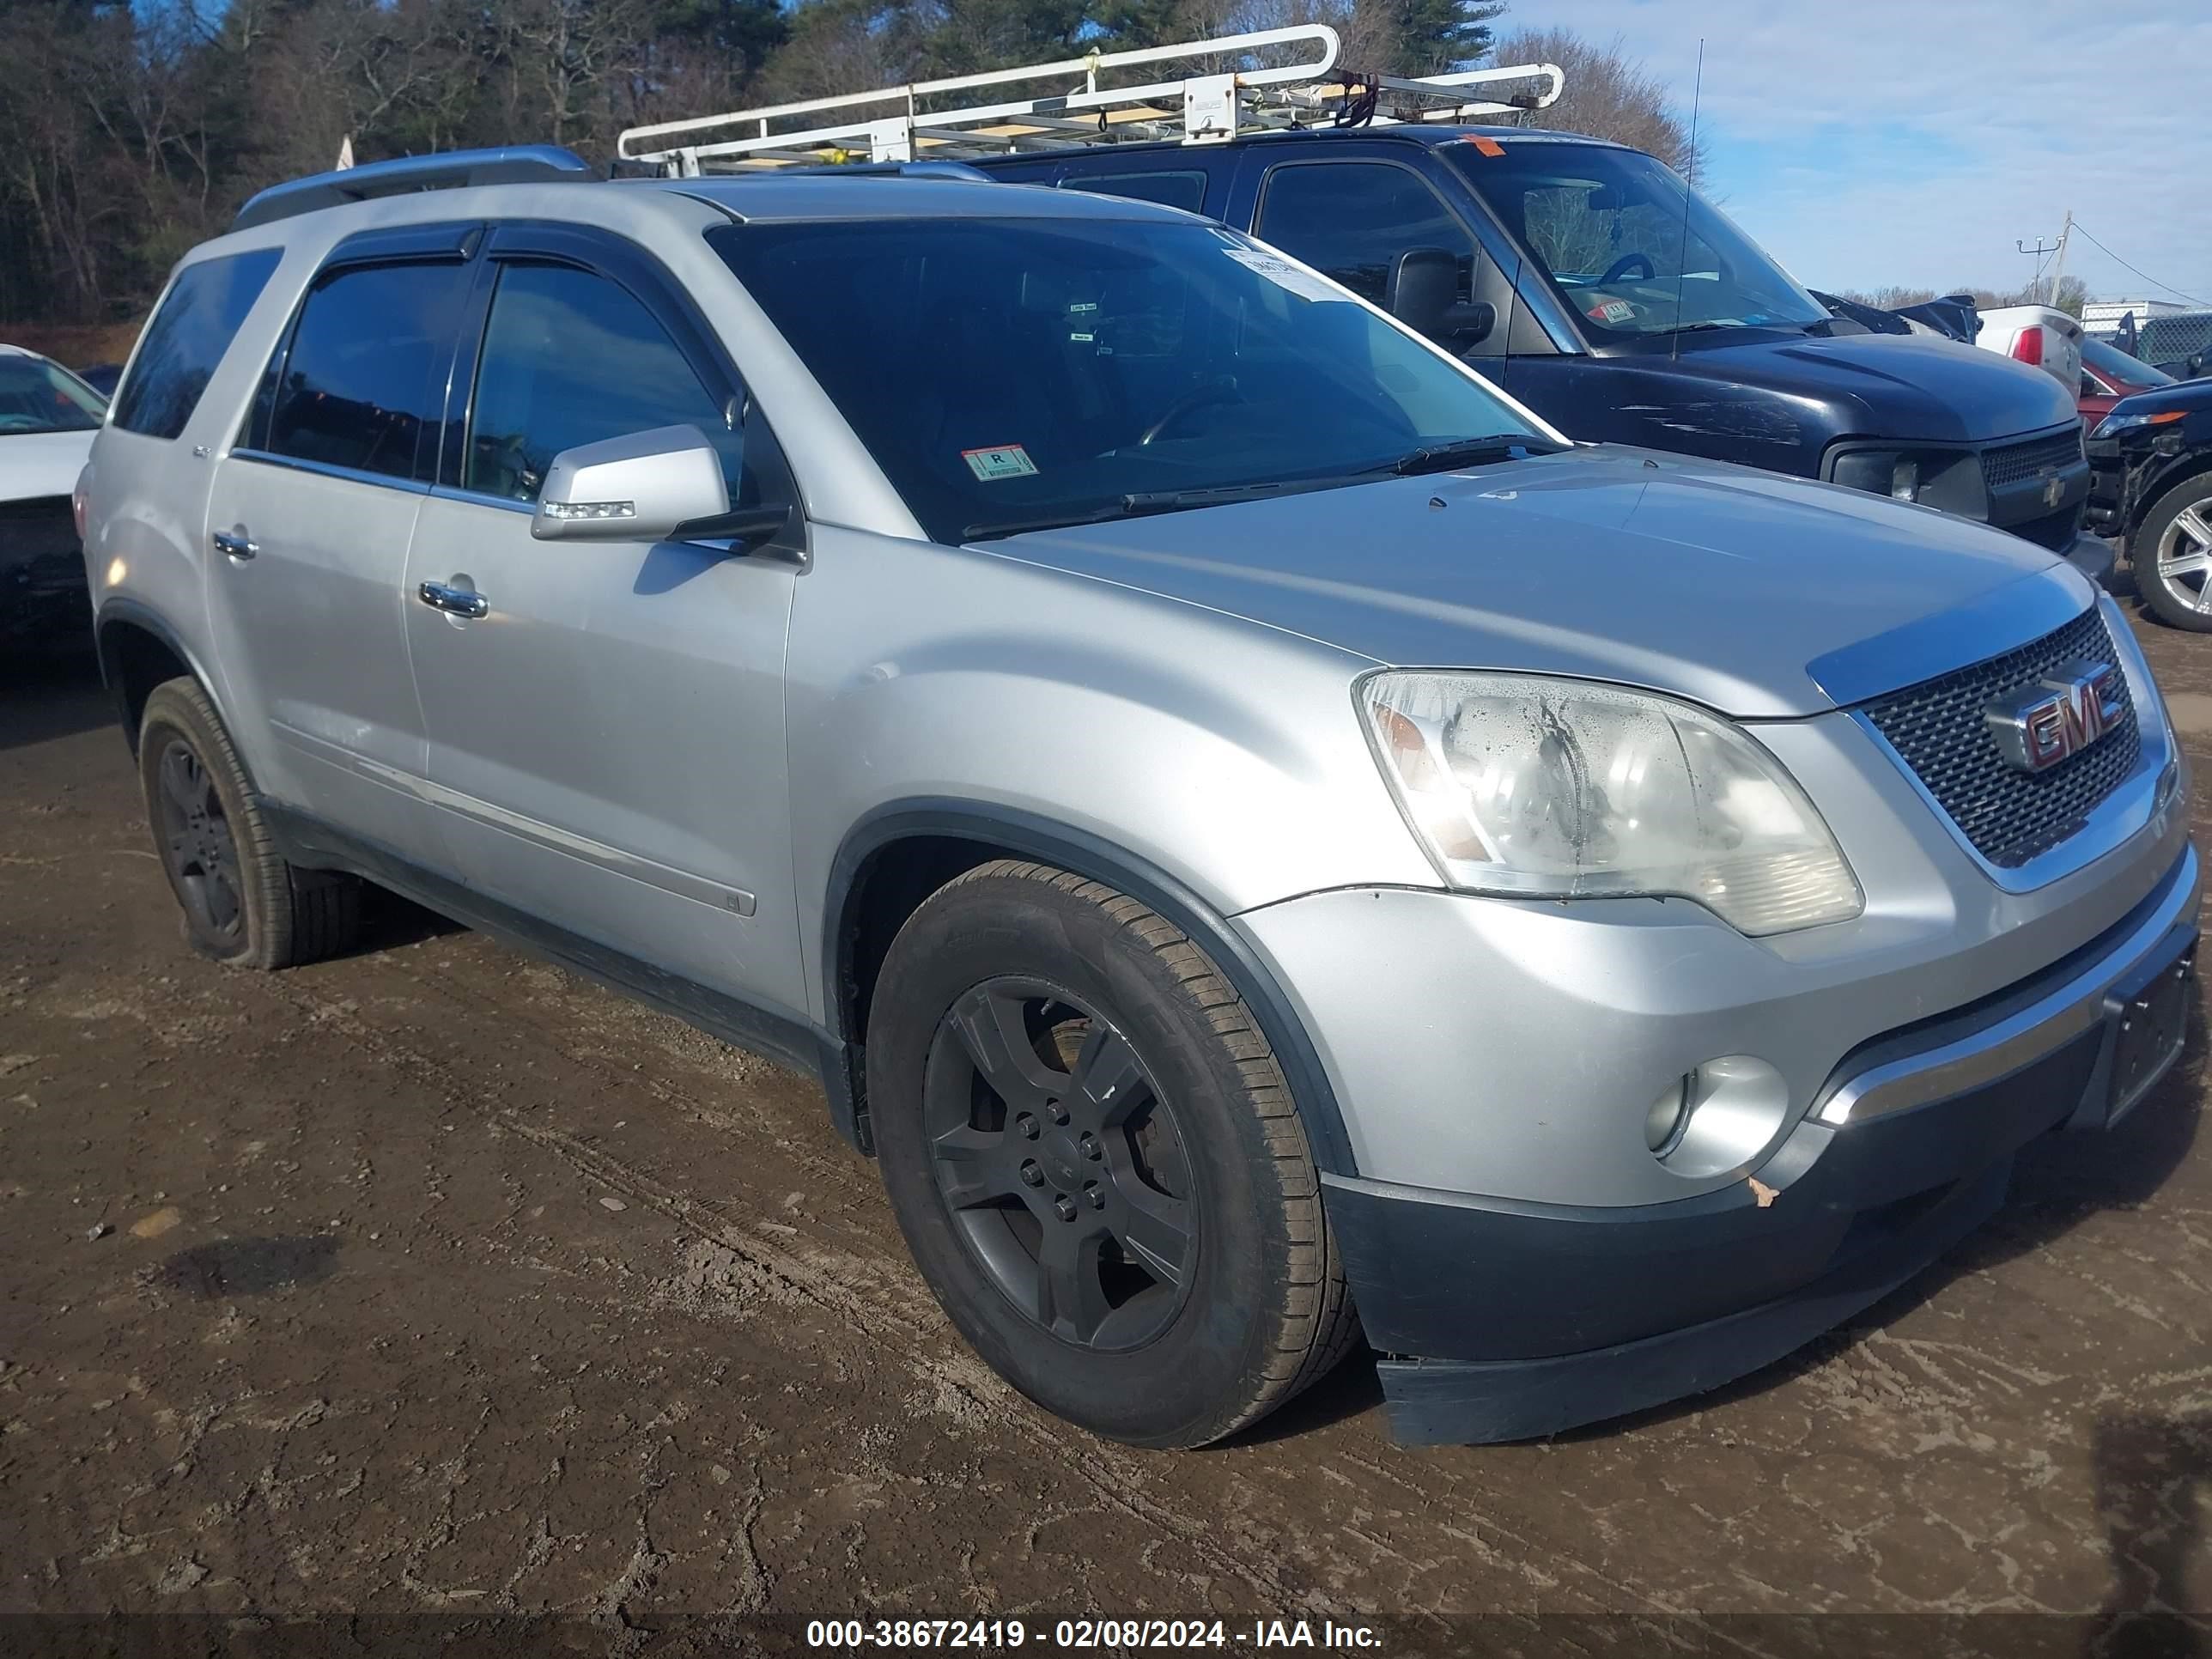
point(2009, 815)
point(2013, 462)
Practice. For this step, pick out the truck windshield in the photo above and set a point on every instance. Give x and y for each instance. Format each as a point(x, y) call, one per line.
point(1609, 229)
point(1016, 374)
point(36, 396)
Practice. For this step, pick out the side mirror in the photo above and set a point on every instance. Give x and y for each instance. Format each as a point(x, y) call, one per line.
point(1423, 294)
point(641, 488)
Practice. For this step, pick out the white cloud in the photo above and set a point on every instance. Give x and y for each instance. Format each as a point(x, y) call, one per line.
point(1913, 143)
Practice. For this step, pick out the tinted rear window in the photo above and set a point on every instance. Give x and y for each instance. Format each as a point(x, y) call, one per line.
point(185, 341)
point(365, 380)
point(2115, 365)
point(1186, 190)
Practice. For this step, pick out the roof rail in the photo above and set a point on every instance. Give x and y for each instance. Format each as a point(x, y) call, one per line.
point(815, 167)
point(515, 164)
point(1208, 101)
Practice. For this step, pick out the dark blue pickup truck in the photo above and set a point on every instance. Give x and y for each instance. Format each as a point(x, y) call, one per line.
point(1586, 279)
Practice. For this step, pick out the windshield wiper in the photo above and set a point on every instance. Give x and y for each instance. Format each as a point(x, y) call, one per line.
point(1467, 452)
point(1138, 503)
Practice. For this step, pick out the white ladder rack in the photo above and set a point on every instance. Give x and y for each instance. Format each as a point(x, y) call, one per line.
point(1205, 103)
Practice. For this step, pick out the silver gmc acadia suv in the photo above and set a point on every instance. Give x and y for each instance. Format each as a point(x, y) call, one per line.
point(1264, 841)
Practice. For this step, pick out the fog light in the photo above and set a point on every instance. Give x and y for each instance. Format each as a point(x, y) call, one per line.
point(1722, 1115)
point(1669, 1114)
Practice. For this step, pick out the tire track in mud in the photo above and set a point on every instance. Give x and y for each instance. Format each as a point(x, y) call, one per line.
point(1115, 1478)
point(1561, 1576)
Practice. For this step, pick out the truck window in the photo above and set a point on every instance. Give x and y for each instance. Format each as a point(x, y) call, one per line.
point(1182, 190)
point(571, 358)
point(365, 378)
point(197, 319)
point(1353, 219)
point(1632, 251)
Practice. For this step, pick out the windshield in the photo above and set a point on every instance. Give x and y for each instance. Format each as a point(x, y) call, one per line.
point(1609, 229)
point(1015, 374)
point(2111, 363)
point(35, 396)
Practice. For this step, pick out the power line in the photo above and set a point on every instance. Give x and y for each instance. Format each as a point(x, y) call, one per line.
point(2146, 275)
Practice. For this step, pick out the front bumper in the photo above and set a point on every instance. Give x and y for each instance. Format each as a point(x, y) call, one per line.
point(2093, 557)
point(1506, 1321)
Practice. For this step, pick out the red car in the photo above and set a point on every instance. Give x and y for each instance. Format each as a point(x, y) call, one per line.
point(2109, 374)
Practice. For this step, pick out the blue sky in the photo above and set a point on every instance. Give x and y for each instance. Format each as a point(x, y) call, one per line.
point(1914, 144)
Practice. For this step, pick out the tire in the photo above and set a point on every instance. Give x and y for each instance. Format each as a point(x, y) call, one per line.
point(241, 903)
point(1026, 1016)
point(2177, 527)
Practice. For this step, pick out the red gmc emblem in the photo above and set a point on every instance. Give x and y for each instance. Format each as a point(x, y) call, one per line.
point(2039, 725)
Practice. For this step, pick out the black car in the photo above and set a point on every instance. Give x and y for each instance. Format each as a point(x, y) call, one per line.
point(2153, 492)
point(1586, 279)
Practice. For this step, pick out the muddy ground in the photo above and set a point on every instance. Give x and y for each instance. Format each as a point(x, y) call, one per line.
point(436, 1282)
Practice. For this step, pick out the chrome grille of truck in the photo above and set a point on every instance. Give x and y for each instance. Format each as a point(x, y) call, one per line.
point(2009, 815)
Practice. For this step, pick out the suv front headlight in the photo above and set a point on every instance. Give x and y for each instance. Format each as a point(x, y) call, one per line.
point(1571, 789)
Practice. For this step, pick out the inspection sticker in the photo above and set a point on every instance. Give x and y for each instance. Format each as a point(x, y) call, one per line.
point(999, 461)
point(1281, 272)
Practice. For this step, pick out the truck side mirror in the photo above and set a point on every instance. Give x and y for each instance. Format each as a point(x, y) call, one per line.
point(1423, 294)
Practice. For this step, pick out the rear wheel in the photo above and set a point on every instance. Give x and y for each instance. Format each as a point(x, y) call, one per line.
point(2171, 552)
point(1094, 1158)
point(242, 904)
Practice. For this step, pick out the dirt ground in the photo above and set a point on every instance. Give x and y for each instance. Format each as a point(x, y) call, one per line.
point(434, 1282)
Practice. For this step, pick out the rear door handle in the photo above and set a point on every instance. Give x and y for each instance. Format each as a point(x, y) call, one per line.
point(236, 544)
point(453, 601)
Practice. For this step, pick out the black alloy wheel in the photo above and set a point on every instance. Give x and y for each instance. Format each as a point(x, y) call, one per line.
point(1066, 1170)
point(197, 848)
point(1091, 1152)
point(243, 902)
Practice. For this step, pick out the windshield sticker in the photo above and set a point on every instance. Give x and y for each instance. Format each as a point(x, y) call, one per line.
point(1615, 311)
point(1284, 275)
point(999, 461)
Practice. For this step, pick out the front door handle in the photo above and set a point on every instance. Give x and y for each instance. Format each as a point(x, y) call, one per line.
point(236, 544)
point(453, 601)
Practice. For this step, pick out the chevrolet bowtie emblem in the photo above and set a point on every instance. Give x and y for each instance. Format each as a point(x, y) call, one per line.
point(2054, 489)
point(2039, 725)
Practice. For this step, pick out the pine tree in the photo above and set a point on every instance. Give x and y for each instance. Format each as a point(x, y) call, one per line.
point(1434, 36)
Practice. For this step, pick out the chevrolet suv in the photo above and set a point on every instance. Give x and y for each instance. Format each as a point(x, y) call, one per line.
point(1259, 838)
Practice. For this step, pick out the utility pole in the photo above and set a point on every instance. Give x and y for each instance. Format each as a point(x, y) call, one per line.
point(2038, 251)
point(2058, 259)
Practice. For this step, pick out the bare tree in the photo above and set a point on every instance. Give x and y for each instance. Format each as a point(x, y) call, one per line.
point(1609, 94)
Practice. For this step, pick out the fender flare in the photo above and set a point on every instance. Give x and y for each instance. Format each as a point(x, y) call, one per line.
point(2176, 469)
point(121, 608)
point(1032, 836)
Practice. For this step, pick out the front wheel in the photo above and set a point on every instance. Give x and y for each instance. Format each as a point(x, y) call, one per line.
point(2171, 552)
point(1095, 1163)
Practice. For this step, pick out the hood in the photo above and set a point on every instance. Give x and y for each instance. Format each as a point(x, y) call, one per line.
point(1911, 386)
point(1729, 587)
point(2191, 397)
point(38, 463)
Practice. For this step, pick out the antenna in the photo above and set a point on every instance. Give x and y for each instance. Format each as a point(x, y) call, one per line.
point(1689, 185)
